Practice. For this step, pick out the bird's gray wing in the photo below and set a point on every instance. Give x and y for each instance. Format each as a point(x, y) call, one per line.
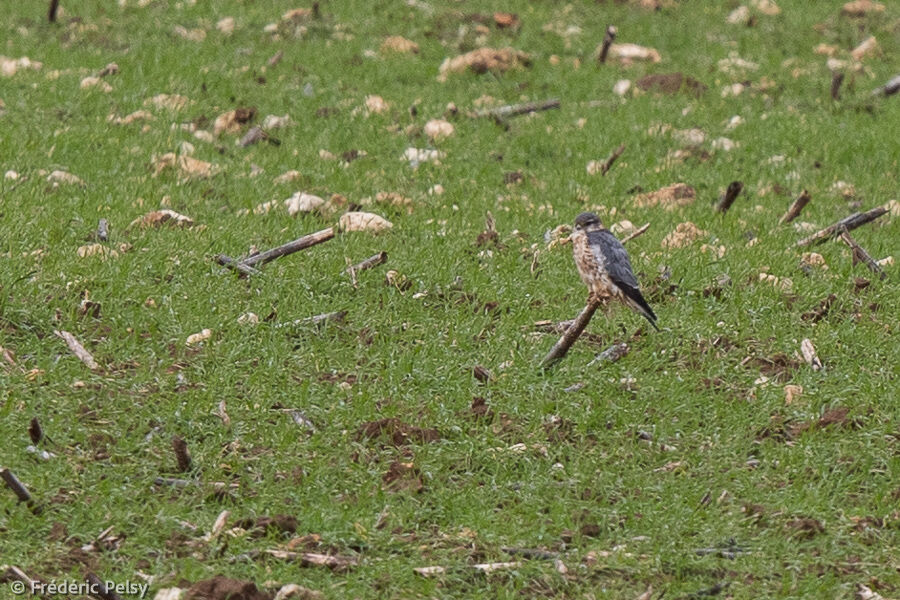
point(610, 253)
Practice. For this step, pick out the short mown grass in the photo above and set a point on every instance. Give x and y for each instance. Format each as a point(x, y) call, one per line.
point(683, 444)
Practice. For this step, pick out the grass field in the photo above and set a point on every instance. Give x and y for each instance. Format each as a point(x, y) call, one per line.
point(714, 429)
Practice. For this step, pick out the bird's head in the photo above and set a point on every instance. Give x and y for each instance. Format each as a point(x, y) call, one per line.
point(588, 221)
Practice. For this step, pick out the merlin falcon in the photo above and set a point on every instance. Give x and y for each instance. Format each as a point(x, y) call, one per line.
point(604, 267)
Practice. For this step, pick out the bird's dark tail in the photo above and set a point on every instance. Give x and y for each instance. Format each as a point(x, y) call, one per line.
point(636, 301)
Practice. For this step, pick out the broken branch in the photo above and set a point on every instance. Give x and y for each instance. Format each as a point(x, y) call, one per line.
point(227, 261)
point(607, 42)
point(608, 163)
point(51, 12)
point(295, 246)
point(78, 350)
point(514, 110)
point(19, 489)
point(639, 231)
point(734, 189)
point(847, 223)
point(372, 261)
point(561, 347)
point(794, 211)
point(860, 254)
point(100, 589)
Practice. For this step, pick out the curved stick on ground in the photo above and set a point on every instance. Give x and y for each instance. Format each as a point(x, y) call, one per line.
point(574, 331)
point(295, 246)
point(794, 211)
point(845, 224)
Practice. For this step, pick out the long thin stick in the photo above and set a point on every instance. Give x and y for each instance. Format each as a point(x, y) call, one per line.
point(372, 261)
point(860, 254)
point(514, 110)
point(299, 244)
point(607, 42)
point(561, 347)
point(794, 211)
point(227, 261)
point(78, 350)
point(847, 223)
point(608, 163)
point(19, 489)
point(639, 231)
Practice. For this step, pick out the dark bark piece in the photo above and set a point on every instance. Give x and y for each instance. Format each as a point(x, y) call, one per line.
point(607, 42)
point(182, 456)
point(733, 191)
point(295, 246)
point(51, 12)
point(837, 78)
point(99, 589)
point(794, 211)
point(860, 254)
point(608, 163)
point(847, 223)
point(227, 261)
point(372, 261)
point(890, 88)
point(35, 431)
point(19, 489)
point(561, 347)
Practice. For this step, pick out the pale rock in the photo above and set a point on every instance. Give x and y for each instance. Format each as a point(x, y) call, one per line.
point(437, 129)
point(226, 25)
point(301, 202)
point(621, 87)
point(363, 221)
point(198, 338)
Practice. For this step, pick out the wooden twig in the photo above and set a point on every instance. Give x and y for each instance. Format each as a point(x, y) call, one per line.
point(182, 456)
point(809, 354)
point(19, 489)
point(561, 347)
point(482, 568)
point(611, 354)
point(14, 573)
point(227, 261)
point(607, 42)
point(860, 254)
point(316, 320)
point(733, 191)
point(513, 110)
point(535, 553)
point(837, 78)
point(78, 350)
point(888, 89)
point(174, 482)
point(295, 246)
point(639, 231)
point(103, 230)
point(372, 261)
point(794, 211)
point(847, 223)
point(275, 58)
point(99, 588)
point(313, 559)
point(51, 12)
point(608, 163)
